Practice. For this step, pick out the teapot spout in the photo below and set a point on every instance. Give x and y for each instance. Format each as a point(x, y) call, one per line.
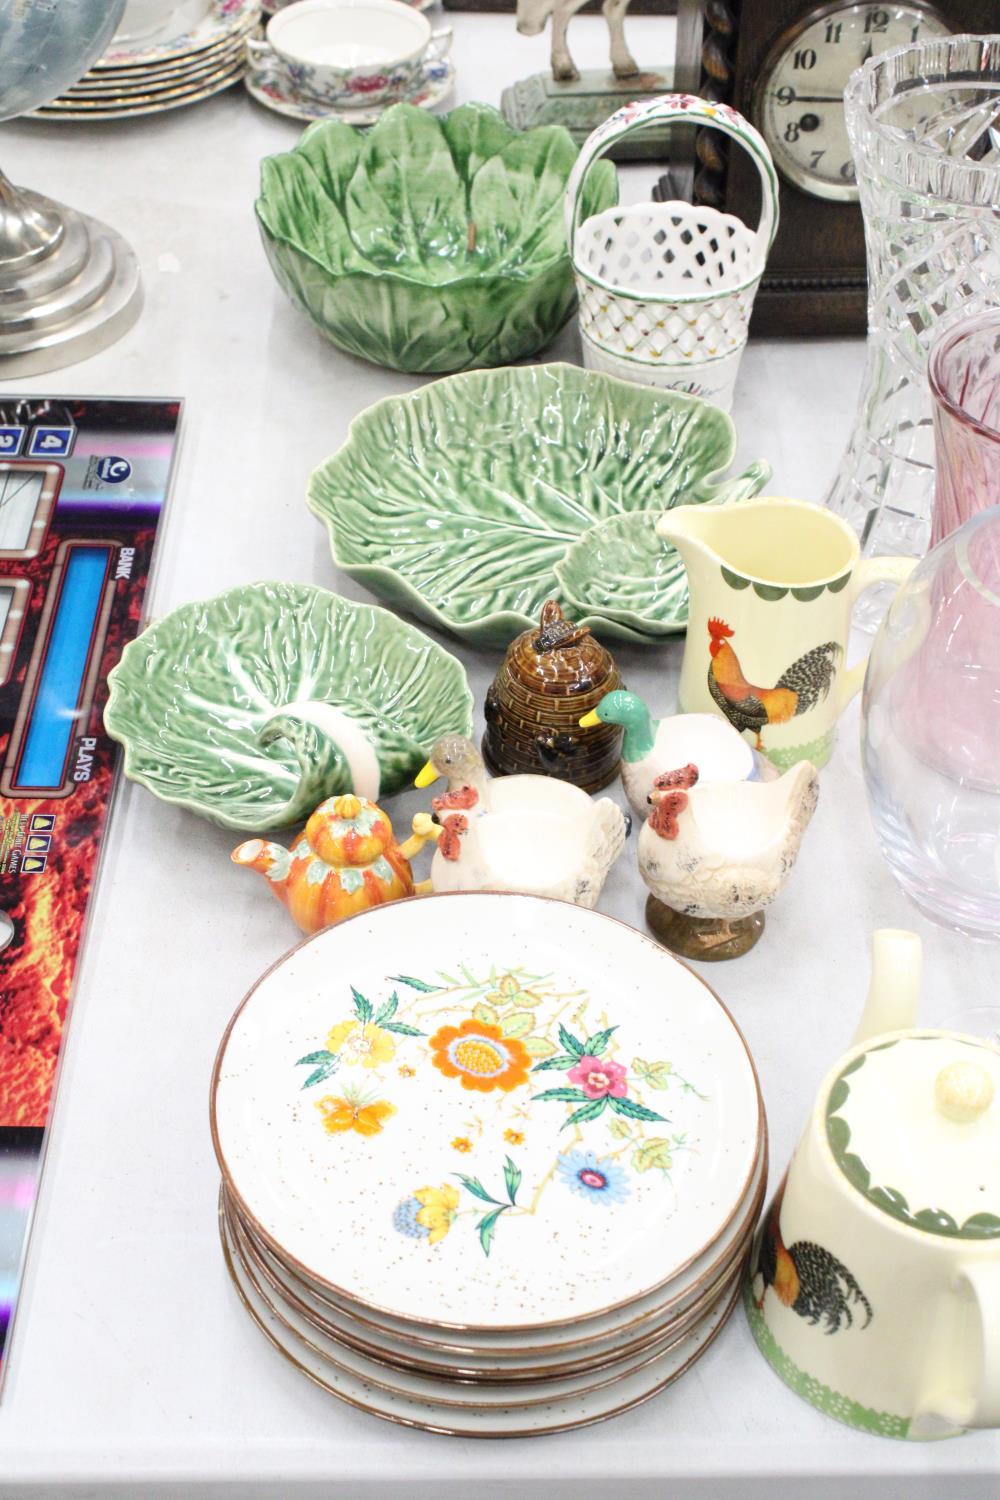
point(266, 858)
point(894, 987)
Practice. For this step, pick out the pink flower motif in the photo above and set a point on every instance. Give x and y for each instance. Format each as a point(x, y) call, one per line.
point(368, 85)
point(598, 1077)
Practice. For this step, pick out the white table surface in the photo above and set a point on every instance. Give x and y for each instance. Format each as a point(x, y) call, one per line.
point(133, 1371)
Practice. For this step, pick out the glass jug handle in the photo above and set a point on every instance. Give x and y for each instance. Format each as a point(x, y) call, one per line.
point(872, 570)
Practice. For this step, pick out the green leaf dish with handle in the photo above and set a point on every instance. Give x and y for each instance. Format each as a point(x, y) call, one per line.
point(473, 500)
point(429, 243)
point(252, 707)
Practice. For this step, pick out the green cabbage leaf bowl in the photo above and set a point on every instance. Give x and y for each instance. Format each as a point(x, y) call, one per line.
point(472, 500)
point(252, 707)
point(430, 243)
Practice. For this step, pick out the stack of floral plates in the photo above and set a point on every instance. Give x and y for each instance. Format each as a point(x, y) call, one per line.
point(199, 49)
point(491, 1163)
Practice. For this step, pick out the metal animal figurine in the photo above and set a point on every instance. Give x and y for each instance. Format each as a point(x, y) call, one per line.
point(533, 14)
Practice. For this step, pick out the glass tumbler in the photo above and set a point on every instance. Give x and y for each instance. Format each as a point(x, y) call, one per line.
point(922, 121)
point(964, 371)
point(930, 731)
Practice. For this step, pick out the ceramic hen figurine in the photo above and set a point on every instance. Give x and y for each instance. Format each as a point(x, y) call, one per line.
point(652, 746)
point(532, 834)
point(714, 856)
point(345, 860)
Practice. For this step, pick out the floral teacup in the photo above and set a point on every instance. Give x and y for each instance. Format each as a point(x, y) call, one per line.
point(347, 53)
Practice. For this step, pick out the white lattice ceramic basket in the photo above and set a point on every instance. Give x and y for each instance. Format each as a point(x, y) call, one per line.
point(666, 289)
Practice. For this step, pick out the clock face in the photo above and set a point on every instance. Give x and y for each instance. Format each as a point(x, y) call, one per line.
point(799, 102)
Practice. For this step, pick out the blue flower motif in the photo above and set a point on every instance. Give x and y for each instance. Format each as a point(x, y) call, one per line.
point(594, 1177)
point(404, 1219)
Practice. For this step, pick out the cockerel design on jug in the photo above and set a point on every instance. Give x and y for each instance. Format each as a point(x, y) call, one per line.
point(799, 688)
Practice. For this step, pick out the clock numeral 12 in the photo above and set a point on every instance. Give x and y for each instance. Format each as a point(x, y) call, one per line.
point(876, 20)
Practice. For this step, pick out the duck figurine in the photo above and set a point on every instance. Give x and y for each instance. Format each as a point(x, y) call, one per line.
point(345, 860)
point(714, 855)
point(652, 746)
point(533, 834)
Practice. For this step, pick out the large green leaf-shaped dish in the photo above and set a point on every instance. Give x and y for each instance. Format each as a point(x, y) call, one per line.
point(235, 707)
point(459, 501)
point(431, 243)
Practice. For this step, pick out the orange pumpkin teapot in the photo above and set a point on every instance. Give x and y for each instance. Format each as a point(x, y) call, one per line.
point(345, 860)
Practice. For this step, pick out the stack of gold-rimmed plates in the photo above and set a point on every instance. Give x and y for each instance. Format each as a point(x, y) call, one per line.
point(491, 1163)
point(198, 50)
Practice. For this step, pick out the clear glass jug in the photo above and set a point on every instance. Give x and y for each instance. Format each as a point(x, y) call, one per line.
point(931, 731)
point(922, 124)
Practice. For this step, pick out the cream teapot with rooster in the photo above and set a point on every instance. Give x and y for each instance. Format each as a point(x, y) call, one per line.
point(772, 584)
point(874, 1287)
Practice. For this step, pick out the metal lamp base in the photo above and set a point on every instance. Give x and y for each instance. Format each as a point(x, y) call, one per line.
point(69, 285)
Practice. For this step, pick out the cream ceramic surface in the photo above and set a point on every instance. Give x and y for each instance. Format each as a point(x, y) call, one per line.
point(507, 1176)
point(441, 1390)
point(533, 834)
point(506, 1356)
point(772, 585)
point(727, 851)
point(556, 1416)
point(876, 1285)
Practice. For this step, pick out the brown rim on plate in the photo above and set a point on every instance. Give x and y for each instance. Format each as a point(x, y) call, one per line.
point(291, 1261)
point(443, 1431)
point(354, 1316)
point(608, 1376)
point(655, 1342)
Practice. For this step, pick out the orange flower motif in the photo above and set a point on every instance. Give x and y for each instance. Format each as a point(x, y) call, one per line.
point(515, 1137)
point(480, 1055)
point(354, 1114)
point(462, 1143)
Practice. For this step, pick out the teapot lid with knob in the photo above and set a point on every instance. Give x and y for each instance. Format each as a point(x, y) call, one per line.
point(911, 1116)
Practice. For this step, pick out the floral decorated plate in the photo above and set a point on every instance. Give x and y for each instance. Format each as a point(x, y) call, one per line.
point(485, 1111)
point(448, 1393)
point(280, 1289)
point(194, 26)
point(464, 500)
point(252, 707)
point(410, 1411)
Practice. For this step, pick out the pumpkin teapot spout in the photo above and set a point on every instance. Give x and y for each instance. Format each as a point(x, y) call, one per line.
point(894, 987)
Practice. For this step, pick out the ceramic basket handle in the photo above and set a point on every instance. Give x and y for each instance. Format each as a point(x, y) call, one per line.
point(872, 570)
point(684, 108)
point(984, 1283)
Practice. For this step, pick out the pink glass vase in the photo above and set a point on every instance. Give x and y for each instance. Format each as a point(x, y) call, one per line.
point(964, 371)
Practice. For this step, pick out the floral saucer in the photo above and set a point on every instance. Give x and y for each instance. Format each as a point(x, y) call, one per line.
point(275, 91)
point(220, 21)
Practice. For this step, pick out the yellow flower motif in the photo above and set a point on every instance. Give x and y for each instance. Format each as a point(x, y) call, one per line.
point(462, 1143)
point(515, 1137)
point(509, 992)
point(438, 1207)
point(361, 1044)
point(405, 1071)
